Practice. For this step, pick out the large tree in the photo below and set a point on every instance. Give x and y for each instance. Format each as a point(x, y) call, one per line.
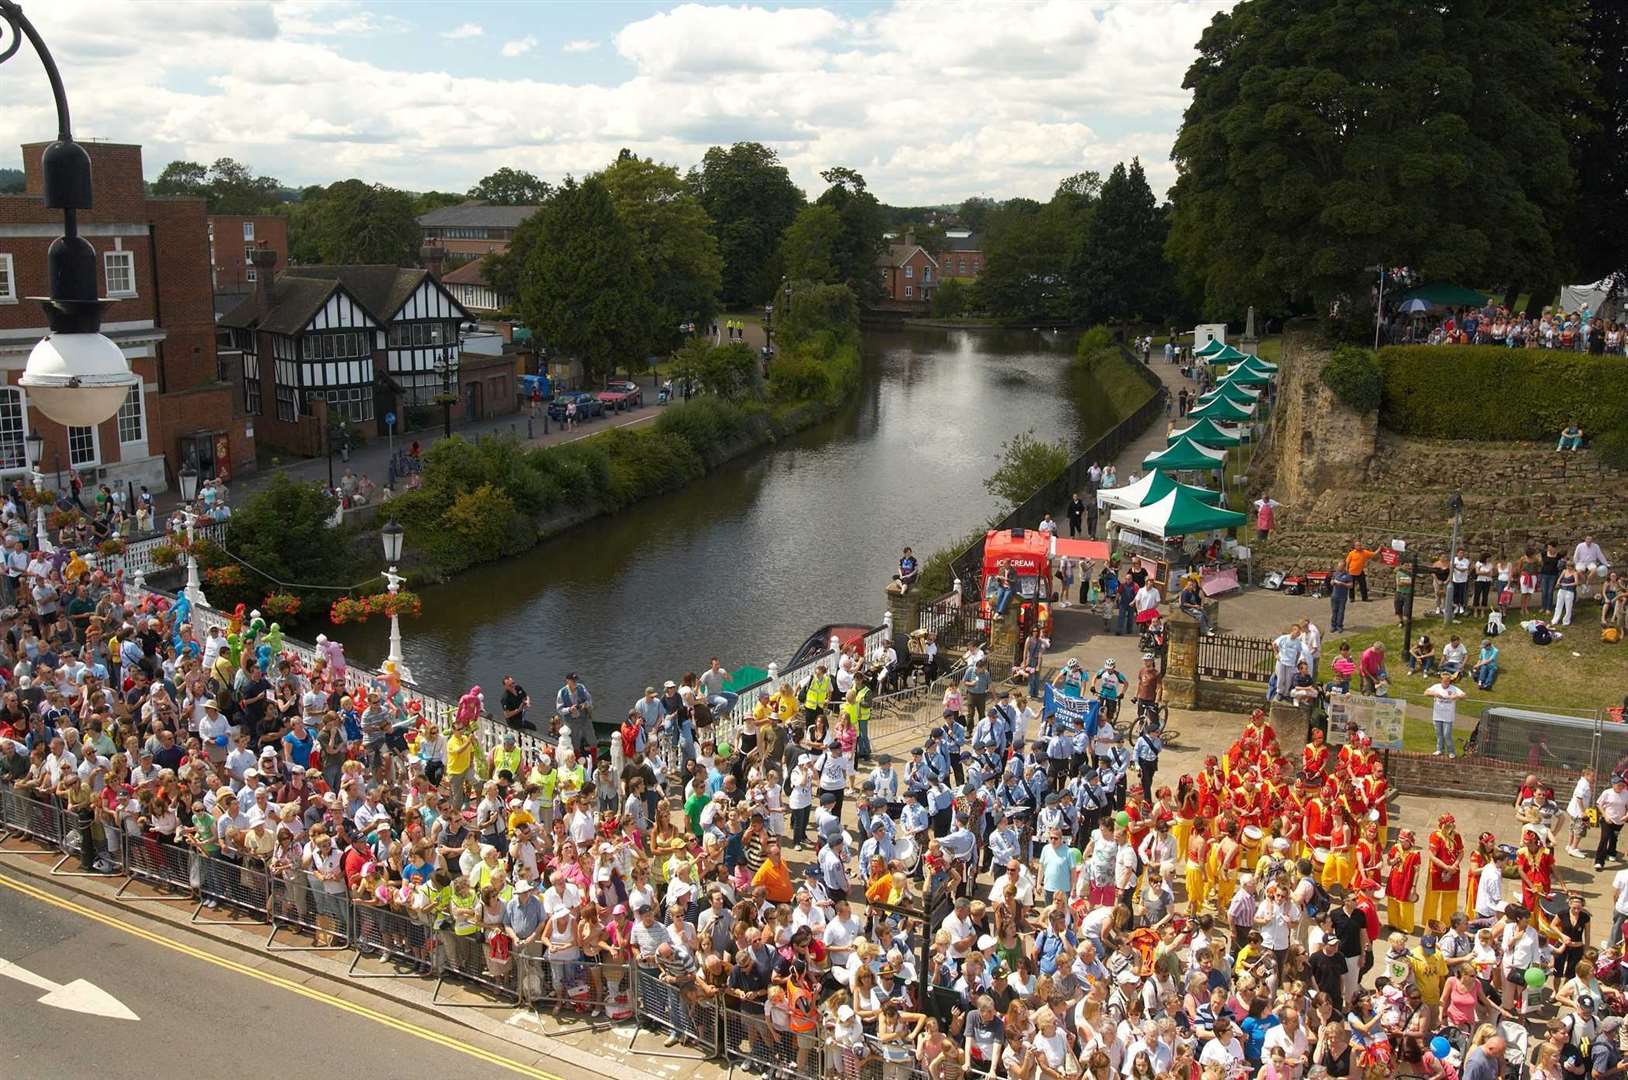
point(230, 186)
point(751, 199)
point(1601, 152)
point(808, 249)
point(356, 222)
point(511, 187)
point(1119, 271)
point(581, 285)
point(861, 240)
point(1027, 249)
point(183, 178)
point(1325, 136)
point(672, 234)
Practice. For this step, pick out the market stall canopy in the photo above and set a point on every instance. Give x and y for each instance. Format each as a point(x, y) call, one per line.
point(1177, 514)
point(1185, 454)
point(1443, 294)
point(1245, 376)
point(1153, 486)
point(1211, 347)
point(1208, 433)
point(1596, 298)
point(1255, 363)
point(1226, 355)
point(1095, 550)
point(1237, 393)
point(1222, 410)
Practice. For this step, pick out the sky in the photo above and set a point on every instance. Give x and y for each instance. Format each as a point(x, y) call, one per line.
point(932, 102)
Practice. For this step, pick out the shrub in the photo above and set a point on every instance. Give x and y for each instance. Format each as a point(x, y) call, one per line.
point(1612, 447)
point(480, 526)
point(950, 299)
point(646, 462)
point(704, 423)
point(1486, 392)
point(1354, 377)
point(1027, 464)
point(1097, 338)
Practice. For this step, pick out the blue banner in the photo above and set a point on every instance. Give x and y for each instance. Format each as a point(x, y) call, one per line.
point(1072, 709)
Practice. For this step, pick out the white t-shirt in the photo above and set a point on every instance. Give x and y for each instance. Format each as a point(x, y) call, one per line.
point(1461, 568)
point(1444, 709)
point(835, 768)
point(958, 929)
point(1230, 1056)
point(1619, 892)
point(1293, 1046)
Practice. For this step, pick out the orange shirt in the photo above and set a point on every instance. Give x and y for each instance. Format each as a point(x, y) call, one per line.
point(1356, 560)
point(776, 881)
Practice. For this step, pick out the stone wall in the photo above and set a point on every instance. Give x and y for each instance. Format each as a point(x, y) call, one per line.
point(1319, 444)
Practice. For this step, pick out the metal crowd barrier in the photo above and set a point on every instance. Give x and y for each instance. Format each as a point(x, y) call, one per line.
point(397, 937)
point(464, 957)
point(240, 886)
point(665, 1008)
point(591, 992)
point(38, 819)
point(165, 866)
point(298, 900)
point(762, 1040)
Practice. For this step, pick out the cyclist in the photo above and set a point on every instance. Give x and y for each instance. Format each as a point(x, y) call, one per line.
point(1149, 692)
point(1109, 685)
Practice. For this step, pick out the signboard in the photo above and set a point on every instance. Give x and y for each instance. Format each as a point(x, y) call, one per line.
point(1073, 710)
point(1380, 717)
point(389, 419)
point(1388, 556)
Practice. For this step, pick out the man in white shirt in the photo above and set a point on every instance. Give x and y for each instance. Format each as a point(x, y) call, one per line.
point(840, 934)
point(240, 760)
point(1444, 712)
point(1311, 646)
point(1613, 804)
point(1582, 797)
point(1147, 597)
point(1290, 1037)
point(958, 924)
point(1588, 560)
point(560, 895)
point(1520, 952)
point(1489, 890)
point(1619, 906)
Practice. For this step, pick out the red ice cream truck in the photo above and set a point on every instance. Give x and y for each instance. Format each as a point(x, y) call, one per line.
point(1020, 567)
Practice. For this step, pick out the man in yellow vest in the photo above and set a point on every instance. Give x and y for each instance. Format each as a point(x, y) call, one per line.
point(507, 757)
point(817, 694)
point(858, 709)
point(460, 764)
point(803, 1019)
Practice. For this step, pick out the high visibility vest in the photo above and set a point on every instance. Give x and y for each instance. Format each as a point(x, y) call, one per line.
point(506, 759)
point(858, 706)
point(800, 1005)
point(819, 689)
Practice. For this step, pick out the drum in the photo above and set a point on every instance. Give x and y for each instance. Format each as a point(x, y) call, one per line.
point(1553, 905)
point(1319, 859)
point(908, 853)
point(1253, 836)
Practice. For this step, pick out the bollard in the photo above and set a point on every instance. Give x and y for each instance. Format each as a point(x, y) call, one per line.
point(87, 840)
point(773, 673)
point(887, 623)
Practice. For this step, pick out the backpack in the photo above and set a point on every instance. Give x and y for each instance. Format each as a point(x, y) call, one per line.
point(1495, 623)
point(1319, 903)
point(1542, 635)
point(1611, 635)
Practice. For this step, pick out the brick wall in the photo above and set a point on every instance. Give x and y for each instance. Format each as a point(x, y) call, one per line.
point(230, 265)
point(213, 407)
point(117, 186)
point(185, 299)
point(1473, 776)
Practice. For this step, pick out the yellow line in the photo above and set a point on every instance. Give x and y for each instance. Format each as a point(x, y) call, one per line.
point(286, 984)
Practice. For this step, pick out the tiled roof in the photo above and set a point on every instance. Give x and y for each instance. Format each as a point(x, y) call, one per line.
point(477, 214)
point(299, 293)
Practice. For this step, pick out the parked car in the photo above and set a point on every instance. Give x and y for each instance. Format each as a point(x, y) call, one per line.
point(634, 392)
point(588, 405)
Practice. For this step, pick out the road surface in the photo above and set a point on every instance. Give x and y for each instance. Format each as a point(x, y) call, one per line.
point(203, 1009)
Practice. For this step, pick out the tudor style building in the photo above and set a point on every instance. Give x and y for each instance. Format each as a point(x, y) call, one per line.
point(356, 342)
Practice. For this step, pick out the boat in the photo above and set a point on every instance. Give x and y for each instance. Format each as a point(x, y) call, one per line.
point(819, 642)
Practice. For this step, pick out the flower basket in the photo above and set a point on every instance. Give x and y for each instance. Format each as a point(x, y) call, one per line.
point(225, 577)
point(401, 604)
point(41, 497)
point(280, 605)
point(348, 610)
point(165, 554)
point(110, 548)
point(61, 519)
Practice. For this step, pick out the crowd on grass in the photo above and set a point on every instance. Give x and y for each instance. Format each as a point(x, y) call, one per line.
point(1582, 331)
point(1071, 908)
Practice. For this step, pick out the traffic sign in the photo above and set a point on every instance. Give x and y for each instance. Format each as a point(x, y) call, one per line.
point(389, 419)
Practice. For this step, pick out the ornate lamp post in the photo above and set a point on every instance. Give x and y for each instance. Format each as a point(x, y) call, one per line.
point(75, 375)
point(188, 477)
point(392, 536)
point(36, 451)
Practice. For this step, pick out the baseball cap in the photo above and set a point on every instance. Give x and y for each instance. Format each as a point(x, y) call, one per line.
point(1428, 943)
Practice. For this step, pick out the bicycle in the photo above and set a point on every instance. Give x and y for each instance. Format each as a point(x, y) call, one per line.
point(1150, 716)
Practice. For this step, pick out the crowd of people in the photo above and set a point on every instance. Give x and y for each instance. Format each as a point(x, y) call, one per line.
point(1583, 331)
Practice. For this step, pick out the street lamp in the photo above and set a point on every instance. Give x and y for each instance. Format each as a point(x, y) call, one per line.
point(75, 375)
point(443, 368)
point(188, 477)
point(35, 442)
point(392, 536)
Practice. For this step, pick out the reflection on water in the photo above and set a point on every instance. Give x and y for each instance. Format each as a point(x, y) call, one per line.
point(746, 562)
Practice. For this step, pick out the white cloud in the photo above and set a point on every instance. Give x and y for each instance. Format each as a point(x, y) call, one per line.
point(462, 31)
point(581, 45)
point(931, 102)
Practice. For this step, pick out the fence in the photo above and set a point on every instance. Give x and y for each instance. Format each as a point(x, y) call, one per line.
point(298, 899)
point(241, 886)
point(404, 940)
point(464, 957)
point(37, 819)
point(968, 566)
point(586, 991)
point(168, 867)
point(683, 1014)
point(763, 1043)
point(1246, 659)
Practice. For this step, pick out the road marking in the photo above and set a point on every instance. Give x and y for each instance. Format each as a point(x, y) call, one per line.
point(613, 427)
point(274, 980)
point(78, 996)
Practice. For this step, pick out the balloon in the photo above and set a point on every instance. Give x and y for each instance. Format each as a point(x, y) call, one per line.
point(1535, 977)
point(1440, 1047)
point(1122, 819)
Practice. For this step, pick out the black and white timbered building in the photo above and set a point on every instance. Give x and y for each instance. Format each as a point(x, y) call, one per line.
point(367, 339)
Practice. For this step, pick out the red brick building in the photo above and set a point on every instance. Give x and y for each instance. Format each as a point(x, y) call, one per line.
point(154, 255)
point(962, 257)
point(909, 273)
point(232, 239)
point(473, 229)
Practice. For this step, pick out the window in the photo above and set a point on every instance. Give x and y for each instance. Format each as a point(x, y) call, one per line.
point(909, 271)
point(961, 266)
point(249, 276)
point(13, 451)
point(334, 346)
point(251, 397)
point(132, 423)
point(81, 447)
point(909, 291)
point(354, 404)
point(287, 403)
point(121, 272)
point(248, 254)
point(8, 282)
point(248, 230)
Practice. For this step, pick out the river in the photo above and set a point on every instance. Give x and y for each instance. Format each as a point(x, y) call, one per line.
point(747, 562)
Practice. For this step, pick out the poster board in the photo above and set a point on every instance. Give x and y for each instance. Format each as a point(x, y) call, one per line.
point(1380, 717)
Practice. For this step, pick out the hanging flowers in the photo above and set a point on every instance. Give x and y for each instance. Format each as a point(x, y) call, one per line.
point(280, 605)
point(361, 609)
point(229, 576)
point(165, 554)
point(110, 548)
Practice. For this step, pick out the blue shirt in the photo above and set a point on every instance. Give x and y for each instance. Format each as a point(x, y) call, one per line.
point(299, 750)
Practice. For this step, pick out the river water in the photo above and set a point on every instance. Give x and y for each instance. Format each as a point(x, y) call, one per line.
point(747, 562)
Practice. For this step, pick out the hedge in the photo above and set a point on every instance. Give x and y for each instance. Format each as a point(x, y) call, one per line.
point(1484, 392)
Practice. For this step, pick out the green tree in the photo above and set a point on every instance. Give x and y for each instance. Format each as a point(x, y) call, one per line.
point(1026, 463)
point(580, 283)
point(861, 240)
point(183, 178)
point(951, 298)
point(282, 533)
point(511, 187)
point(1326, 137)
point(672, 234)
point(1600, 152)
point(357, 222)
point(1119, 272)
point(808, 250)
point(425, 201)
point(751, 199)
point(974, 212)
point(235, 189)
point(12, 181)
point(1027, 247)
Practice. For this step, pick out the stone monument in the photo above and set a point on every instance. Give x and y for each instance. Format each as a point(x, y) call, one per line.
point(1250, 343)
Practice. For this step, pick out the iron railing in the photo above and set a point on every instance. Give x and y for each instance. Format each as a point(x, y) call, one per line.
point(1242, 658)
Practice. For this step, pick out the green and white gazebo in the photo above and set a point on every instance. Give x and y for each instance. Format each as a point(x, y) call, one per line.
point(1222, 410)
point(1208, 433)
point(1211, 347)
point(1177, 514)
point(1243, 375)
point(1240, 395)
point(1226, 355)
point(1153, 486)
point(1185, 455)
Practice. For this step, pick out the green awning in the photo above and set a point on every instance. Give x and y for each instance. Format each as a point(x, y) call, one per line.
point(1226, 355)
point(1243, 375)
point(1255, 363)
point(744, 676)
point(1177, 514)
point(1222, 410)
point(1240, 395)
point(1153, 486)
point(1185, 454)
point(1443, 294)
point(1210, 348)
point(1207, 432)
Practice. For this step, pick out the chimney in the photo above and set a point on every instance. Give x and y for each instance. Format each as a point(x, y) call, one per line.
point(264, 261)
point(432, 256)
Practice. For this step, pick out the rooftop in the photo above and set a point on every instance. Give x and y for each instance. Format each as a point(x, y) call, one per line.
point(477, 214)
